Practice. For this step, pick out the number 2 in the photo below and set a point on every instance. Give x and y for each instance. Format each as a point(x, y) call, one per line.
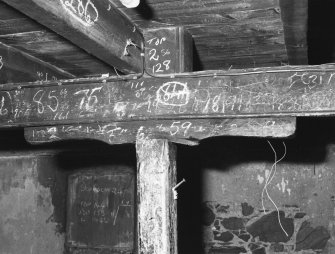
point(153, 56)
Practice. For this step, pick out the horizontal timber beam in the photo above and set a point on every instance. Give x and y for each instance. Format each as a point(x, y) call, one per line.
point(188, 132)
point(265, 92)
point(94, 25)
point(17, 66)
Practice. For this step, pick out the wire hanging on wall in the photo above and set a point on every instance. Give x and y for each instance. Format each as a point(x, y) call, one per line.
point(269, 179)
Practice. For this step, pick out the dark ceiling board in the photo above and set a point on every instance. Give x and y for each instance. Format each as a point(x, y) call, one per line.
point(247, 45)
point(215, 25)
point(18, 25)
point(222, 18)
point(97, 27)
point(7, 12)
point(295, 19)
point(242, 52)
point(246, 28)
point(218, 12)
point(241, 3)
point(265, 92)
point(242, 63)
point(17, 66)
point(185, 8)
point(43, 42)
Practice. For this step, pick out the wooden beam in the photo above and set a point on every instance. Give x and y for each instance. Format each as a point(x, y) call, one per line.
point(157, 209)
point(170, 45)
point(266, 92)
point(188, 132)
point(17, 66)
point(95, 26)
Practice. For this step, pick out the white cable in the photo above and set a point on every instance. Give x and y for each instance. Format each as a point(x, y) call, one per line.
point(267, 182)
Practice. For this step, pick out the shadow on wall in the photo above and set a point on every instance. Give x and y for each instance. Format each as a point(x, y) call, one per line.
point(219, 206)
point(320, 36)
point(189, 200)
point(33, 188)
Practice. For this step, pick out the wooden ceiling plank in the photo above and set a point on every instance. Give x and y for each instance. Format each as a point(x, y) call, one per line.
point(213, 24)
point(17, 25)
point(184, 8)
point(17, 66)
point(264, 92)
point(51, 48)
point(95, 26)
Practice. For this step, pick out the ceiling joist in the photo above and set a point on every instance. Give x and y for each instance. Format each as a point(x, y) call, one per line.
point(96, 26)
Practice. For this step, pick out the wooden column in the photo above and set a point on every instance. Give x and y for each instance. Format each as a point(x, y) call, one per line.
point(157, 210)
point(168, 50)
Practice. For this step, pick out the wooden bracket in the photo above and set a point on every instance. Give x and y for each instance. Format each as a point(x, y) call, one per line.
point(188, 132)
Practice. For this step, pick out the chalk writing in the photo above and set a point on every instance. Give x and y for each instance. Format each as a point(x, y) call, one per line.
point(152, 55)
point(83, 11)
point(110, 131)
point(5, 96)
point(104, 206)
point(159, 55)
point(45, 76)
point(101, 200)
point(100, 213)
point(89, 98)
point(84, 210)
point(173, 94)
point(1, 62)
point(161, 68)
point(51, 101)
point(3, 111)
point(176, 130)
point(177, 126)
point(306, 78)
point(157, 41)
point(179, 98)
point(103, 189)
point(37, 99)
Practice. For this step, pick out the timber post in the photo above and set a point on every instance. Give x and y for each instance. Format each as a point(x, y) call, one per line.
point(156, 165)
point(157, 210)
